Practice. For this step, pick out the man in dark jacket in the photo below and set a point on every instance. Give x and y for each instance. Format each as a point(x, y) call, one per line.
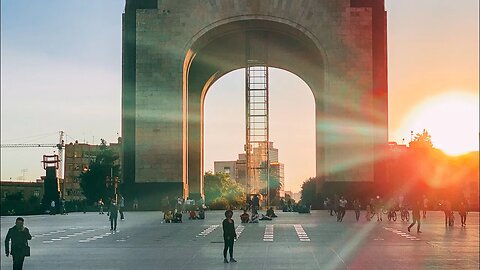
point(113, 212)
point(19, 235)
point(416, 216)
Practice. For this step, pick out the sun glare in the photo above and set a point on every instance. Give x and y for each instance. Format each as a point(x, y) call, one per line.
point(452, 119)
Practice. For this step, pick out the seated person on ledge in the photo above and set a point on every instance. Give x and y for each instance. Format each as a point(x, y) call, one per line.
point(168, 217)
point(245, 217)
point(193, 215)
point(177, 217)
point(265, 217)
point(271, 213)
point(254, 218)
point(201, 213)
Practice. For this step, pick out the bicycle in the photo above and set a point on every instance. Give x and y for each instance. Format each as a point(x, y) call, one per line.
point(392, 215)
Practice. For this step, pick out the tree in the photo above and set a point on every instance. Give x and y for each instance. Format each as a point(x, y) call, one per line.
point(213, 186)
point(308, 191)
point(273, 181)
point(222, 191)
point(93, 181)
point(422, 140)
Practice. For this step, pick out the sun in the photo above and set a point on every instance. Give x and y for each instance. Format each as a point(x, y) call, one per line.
point(452, 119)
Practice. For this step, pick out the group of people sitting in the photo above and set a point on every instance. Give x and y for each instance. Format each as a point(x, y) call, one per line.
point(193, 214)
point(245, 217)
point(172, 216)
point(176, 216)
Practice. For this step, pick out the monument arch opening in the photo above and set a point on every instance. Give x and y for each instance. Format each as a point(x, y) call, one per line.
point(222, 50)
point(292, 128)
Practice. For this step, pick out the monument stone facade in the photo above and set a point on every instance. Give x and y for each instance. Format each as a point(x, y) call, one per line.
point(173, 51)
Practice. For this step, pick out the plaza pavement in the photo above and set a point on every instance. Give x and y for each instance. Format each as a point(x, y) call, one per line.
point(291, 241)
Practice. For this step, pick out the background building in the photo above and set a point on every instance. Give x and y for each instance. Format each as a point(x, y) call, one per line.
point(27, 189)
point(77, 159)
point(237, 169)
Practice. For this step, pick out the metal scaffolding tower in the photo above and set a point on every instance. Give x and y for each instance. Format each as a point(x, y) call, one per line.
point(256, 112)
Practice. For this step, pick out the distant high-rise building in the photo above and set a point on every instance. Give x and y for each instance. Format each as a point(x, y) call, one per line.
point(238, 170)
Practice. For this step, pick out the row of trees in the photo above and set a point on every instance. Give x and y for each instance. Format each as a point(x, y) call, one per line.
point(418, 170)
point(221, 191)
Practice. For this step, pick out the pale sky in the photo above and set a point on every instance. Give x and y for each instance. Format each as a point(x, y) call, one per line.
point(61, 70)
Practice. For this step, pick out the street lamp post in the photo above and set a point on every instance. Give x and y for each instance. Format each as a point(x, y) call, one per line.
point(113, 181)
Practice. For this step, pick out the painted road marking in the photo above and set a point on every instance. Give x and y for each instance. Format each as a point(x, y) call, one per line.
point(302, 235)
point(239, 231)
point(207, 231)
point(268, 234)
point(403, 234)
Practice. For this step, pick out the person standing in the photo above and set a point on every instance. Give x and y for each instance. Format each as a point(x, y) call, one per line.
point(229, 236)
point(135, 204)
point(379, 208)
point(52, 208)
point(121, 206)
point(462, 211)
point(19, 235)
point(447, 210)
point(248, 202)
point(113, 215)
point(368, 211)
point(342, 205)
point(255, 204)
point(415, 216)
point(100, 205)
point(425, 206)
point(356, 207)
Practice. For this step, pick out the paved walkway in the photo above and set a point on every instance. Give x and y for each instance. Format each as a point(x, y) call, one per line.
point(291, 241)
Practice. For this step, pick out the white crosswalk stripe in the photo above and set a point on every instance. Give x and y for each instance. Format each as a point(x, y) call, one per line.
point(268, 234)
point(403, 234)
point(239, 231)
point(302, 235)
point(207, 231)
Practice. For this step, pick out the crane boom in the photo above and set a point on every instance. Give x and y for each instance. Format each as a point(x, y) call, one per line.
point(17, 145)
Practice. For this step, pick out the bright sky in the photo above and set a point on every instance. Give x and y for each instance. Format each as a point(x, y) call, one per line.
point(61, 70)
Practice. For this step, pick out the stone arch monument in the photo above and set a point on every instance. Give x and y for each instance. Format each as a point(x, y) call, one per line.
point(173, 51)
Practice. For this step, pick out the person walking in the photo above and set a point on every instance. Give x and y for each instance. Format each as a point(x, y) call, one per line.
point(113, 215)
point(330, 206)
point(342, 205)
point(356, 207)
point(121, 206)
point(19, 235)
point(447, 210)
point(462, 211)
point(415, 216)
point(229, 236)
point(335, 204)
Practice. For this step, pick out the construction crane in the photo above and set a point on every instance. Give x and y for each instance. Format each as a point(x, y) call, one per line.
point(60, 146)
